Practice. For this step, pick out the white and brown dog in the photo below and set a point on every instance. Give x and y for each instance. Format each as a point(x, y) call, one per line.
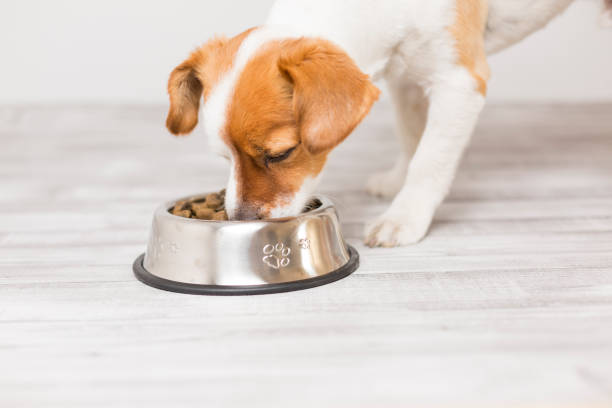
point(278, 98)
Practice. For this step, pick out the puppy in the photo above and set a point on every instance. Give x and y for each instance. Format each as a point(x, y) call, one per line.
point(278, 98)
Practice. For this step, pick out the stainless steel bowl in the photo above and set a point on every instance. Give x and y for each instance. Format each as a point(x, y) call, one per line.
point(245, 257)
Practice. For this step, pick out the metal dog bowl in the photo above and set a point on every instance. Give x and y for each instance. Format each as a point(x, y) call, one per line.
point(245, 257)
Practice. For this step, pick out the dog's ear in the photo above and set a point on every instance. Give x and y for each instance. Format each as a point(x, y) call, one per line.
point(185, 91)
point(330, 94)
point(606, 15)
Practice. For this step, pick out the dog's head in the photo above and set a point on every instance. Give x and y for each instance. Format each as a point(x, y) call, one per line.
point(275, 108)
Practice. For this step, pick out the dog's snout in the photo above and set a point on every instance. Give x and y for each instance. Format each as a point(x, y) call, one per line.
point(246, 212)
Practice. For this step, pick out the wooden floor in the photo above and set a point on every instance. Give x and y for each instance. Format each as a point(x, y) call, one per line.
point(507, 302)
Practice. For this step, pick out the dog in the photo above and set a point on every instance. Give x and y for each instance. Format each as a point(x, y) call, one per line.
point(279, 97)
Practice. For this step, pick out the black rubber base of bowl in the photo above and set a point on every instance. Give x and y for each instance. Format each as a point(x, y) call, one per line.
point(234, 290)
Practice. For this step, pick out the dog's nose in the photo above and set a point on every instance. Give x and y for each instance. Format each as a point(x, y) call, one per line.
point(246, 212)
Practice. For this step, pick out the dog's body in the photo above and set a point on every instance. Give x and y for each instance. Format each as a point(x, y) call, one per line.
point(278, 98)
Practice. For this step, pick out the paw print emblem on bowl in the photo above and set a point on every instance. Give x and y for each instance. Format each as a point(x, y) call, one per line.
point(276, 256)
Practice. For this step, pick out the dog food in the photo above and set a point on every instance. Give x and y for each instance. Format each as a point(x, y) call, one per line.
point(212, 207)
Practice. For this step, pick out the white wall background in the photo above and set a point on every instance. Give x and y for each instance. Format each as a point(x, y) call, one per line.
point(117, 51)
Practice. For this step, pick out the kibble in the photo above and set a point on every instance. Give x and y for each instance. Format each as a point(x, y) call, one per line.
point(214, 200)
point(180, 207)
point(183, 213)
point(202, 211)
point(210, 208)
point(220, 216)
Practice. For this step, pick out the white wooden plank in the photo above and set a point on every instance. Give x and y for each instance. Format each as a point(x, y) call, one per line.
point(508, 301)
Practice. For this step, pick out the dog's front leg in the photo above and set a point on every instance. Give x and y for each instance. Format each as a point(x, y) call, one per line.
point(410, 108)
point(454, 106)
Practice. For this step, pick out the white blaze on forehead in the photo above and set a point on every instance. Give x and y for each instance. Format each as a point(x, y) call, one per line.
point(214, 110)
point(294, 205)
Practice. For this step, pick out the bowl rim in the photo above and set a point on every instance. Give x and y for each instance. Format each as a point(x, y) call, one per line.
point(146, 277)
point(164, 211)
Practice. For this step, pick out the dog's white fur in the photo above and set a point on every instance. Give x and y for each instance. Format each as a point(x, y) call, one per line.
point(408, 44)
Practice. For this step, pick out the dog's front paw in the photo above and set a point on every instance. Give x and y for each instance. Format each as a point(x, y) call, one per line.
point(399, 228)
point(390, 233)
point(386, 183)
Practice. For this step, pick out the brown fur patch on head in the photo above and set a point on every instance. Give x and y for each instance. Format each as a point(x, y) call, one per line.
point(195, 77)
point(305, 95)
point(468, 32)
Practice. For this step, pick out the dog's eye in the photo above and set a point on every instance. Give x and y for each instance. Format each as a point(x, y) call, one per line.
point(278, 157)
